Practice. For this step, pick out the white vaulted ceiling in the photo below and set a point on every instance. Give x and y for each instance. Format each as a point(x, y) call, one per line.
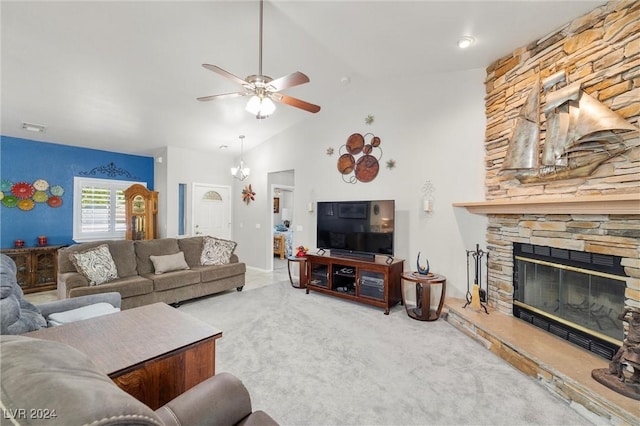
point(124, 75)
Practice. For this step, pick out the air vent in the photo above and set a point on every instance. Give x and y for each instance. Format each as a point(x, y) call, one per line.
point(560, 253)
point(602, 260)
point(526, 248)
point(36, 128)
point(559, 331)
point(542, 250)
point(540, 323)
point(526, 317)
point(579, 340)
point(603, 351)
point(581, 256)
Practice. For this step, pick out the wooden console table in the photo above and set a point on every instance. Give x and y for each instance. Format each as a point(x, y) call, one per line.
point(36, 267)
point(153, 352)
point(375, 283)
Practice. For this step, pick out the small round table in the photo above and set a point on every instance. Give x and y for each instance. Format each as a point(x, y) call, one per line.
point(302, 261)
point(423, 311)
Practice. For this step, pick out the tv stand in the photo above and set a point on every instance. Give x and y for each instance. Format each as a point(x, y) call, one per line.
point(373, 282)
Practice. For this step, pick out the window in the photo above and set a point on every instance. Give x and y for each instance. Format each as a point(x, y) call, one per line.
point(99, 209)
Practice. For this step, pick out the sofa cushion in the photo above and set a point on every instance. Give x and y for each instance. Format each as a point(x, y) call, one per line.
point(146, 248)
point(127, 287)
point(218, 272)
point(174, 279)
point(96, 264)
point(122, 252)
point(192, 248)
point(78, 314)
point(168, 263)
point(216, 251)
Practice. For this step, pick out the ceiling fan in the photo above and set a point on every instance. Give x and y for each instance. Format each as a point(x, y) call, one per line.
point(263, 89)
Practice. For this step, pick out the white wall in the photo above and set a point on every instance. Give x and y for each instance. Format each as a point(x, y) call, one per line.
point(432, 126)
point(187, 166)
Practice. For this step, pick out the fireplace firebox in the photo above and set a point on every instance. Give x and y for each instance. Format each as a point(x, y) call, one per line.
point(575, 295)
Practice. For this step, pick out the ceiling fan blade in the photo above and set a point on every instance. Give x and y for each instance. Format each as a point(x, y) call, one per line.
point(224, 96)
point(294, 102)
point(294, 79)
point(225, 74)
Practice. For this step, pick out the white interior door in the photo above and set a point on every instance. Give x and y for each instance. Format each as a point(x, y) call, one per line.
point(211, 210)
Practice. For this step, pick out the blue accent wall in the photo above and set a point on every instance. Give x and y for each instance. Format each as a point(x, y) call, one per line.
point(23, 160)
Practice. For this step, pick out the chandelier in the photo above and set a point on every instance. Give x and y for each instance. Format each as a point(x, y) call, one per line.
point(240, 172)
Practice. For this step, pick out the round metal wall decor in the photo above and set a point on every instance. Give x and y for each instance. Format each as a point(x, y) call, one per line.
point(361, 161)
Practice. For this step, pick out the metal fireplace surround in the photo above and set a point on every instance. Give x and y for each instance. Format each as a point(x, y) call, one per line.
point(573, 294)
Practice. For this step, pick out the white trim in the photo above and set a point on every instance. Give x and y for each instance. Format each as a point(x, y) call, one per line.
point(78, 183)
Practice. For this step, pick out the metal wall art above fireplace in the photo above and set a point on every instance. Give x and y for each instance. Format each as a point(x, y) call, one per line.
point(573, 294)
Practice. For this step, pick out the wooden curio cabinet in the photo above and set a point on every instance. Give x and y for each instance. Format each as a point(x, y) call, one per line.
point(142, 213)
point(36, 267)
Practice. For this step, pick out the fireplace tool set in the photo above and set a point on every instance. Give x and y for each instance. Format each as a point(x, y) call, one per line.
point(476, 295)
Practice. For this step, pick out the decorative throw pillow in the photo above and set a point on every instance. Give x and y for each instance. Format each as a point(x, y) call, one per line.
point(216, 251)
point(168, 263)
point(96, 264)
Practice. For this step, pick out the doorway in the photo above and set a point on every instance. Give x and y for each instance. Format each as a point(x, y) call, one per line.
point(281, 210)
point(211, 210)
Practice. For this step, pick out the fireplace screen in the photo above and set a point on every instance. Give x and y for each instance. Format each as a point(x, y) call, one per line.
point(569, 300)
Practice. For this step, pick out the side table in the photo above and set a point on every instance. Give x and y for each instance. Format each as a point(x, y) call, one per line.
point(302, 261)
point(423, 311)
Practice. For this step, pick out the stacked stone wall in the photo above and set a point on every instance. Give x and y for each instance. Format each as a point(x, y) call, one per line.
point(601, 50)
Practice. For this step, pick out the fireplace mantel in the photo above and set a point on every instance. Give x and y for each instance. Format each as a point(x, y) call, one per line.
point(597, 204)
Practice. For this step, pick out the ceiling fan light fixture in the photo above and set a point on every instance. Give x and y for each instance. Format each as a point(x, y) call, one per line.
point(260, 107)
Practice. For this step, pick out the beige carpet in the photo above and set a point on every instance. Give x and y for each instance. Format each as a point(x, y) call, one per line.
point(316, 360)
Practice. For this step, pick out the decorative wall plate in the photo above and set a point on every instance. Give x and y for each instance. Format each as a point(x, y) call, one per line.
point(57, 190)
point(10, 201)
point(23, 190)
point(367, 168)
point(54, 201)
point(41, 185)
point(5, 185)
point(40, 197)
point(355, 143)
point(26, 204)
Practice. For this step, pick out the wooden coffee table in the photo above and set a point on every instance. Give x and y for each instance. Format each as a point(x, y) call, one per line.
point(153, 352)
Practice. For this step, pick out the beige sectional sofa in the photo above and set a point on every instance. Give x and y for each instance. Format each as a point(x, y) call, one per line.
point(137, 280)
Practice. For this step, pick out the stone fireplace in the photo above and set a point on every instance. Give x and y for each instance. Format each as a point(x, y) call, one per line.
point(613, 237)
point(599, 213)
point(593, 214)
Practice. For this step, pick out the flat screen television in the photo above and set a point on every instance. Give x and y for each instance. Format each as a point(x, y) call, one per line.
point(354, 228)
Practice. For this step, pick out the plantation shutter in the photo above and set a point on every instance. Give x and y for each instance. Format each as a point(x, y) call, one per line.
point(99, 211)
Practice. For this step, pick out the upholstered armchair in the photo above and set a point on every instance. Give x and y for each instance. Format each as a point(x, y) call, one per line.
point(18, 316)
point(46, 382)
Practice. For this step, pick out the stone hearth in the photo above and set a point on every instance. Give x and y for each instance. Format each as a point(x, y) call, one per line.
point(559, 366)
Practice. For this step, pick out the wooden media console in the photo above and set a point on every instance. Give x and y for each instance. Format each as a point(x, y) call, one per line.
point(375, 283)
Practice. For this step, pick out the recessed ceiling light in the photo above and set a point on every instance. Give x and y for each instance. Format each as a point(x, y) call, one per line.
point(465, 42)
point(30, 127)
